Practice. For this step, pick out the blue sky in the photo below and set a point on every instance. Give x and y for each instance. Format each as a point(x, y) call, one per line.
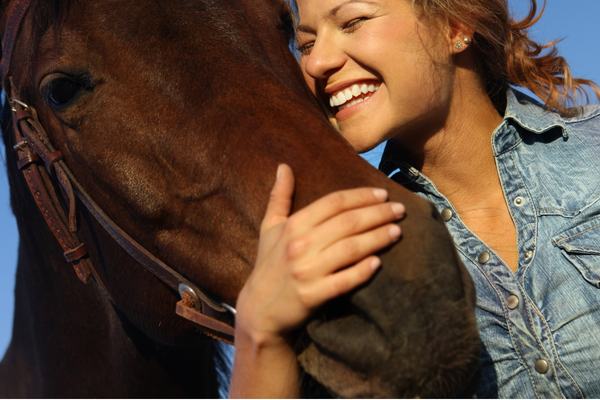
point(573, 20)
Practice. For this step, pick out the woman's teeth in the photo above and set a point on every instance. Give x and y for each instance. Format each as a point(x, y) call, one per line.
point(342, 98)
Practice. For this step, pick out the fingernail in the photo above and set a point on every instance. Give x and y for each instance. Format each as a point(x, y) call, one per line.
point(278, 172)
point(380, 194)
point(394, 232)
point(398, 209)
point(375, 263)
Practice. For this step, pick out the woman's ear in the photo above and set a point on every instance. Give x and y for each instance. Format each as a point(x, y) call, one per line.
point(460, 37)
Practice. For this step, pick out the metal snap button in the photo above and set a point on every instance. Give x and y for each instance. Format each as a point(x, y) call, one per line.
point(512, 301)
point(484, 257)
point(541, 366)
point(446, 214)
point(519, 201)
point(528, 254)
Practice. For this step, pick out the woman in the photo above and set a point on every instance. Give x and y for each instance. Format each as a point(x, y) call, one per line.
point(516, 183)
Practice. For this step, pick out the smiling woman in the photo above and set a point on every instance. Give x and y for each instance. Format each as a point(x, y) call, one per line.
point(493, 161)
point(365, 32)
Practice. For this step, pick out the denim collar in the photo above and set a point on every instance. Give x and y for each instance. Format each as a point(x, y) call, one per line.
point(524, 113)
point(530, 114)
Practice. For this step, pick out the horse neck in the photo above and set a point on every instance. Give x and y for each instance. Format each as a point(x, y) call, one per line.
point(69, 340)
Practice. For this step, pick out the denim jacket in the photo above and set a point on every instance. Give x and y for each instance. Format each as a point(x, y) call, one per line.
point(540, 326)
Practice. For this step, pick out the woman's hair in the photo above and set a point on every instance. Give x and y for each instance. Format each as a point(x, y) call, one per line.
point(508, 55)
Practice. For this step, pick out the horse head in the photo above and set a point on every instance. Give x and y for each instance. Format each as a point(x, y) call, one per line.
point(173, 116)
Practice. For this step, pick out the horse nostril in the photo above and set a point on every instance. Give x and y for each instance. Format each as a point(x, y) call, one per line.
point(352, 340)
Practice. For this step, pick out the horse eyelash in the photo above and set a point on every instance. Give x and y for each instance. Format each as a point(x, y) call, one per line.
point(83, 79)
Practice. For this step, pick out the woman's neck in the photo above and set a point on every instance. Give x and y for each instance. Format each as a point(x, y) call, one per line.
point(458, 157)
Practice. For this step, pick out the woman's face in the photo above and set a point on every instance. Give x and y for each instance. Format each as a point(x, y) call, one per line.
point(396, 72)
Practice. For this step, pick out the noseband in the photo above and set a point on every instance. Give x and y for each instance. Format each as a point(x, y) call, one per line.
point(40, 160)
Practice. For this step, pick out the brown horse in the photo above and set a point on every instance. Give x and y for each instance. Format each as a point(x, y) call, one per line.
point(173, 115)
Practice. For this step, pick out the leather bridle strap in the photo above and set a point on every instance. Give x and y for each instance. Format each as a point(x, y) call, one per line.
point(34, 145)
point(45, 196)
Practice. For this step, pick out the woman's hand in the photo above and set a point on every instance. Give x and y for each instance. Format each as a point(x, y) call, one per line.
point(304, 260)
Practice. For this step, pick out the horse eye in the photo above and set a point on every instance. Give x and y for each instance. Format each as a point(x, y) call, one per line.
point(62, 91)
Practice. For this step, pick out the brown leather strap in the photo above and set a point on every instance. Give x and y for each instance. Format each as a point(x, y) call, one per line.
point(13, 22)
point(76, 254)
point(32, 136)
point(217, 329)
point(41, 142)
point(27, 158)
point(50, 210)
point(140, 254)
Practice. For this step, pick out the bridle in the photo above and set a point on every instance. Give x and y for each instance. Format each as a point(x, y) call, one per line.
point(40, 160)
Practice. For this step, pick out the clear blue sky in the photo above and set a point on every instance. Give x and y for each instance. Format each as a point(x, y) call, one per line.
point(574, 20)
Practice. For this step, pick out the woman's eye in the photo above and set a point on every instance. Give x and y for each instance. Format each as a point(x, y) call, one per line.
point(62, 91)
point(304, 49)
point(354, 24)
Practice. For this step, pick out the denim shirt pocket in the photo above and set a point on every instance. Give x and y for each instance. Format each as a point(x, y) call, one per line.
point(581, 246)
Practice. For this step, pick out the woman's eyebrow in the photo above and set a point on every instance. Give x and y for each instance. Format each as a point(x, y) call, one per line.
point(305, 29)
point(335, 10)
point(330, 14)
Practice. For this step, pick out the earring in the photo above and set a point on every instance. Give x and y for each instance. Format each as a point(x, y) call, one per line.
point(467, 40)
point(458, 45)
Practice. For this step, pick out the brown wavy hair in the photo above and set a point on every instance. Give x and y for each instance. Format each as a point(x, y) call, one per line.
point(508, 55)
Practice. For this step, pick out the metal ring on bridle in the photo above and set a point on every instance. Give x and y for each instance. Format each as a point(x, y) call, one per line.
point(229, 308)
point(19, 102)
point(20, 145)
point(183, 288)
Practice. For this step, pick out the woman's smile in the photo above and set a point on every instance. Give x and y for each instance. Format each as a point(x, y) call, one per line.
point(349, 96)
point(348, 100)
point(352, 48)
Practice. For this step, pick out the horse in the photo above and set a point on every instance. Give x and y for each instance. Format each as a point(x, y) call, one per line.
point(172, 116)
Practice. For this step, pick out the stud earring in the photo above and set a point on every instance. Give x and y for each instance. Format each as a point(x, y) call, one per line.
point(467, 40)
point(458, 45)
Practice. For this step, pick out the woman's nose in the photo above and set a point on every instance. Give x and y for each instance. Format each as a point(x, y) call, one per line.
point(324, 59)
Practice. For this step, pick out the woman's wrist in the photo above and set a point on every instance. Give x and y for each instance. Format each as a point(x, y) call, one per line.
point(265, 366)
point(258, 335)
